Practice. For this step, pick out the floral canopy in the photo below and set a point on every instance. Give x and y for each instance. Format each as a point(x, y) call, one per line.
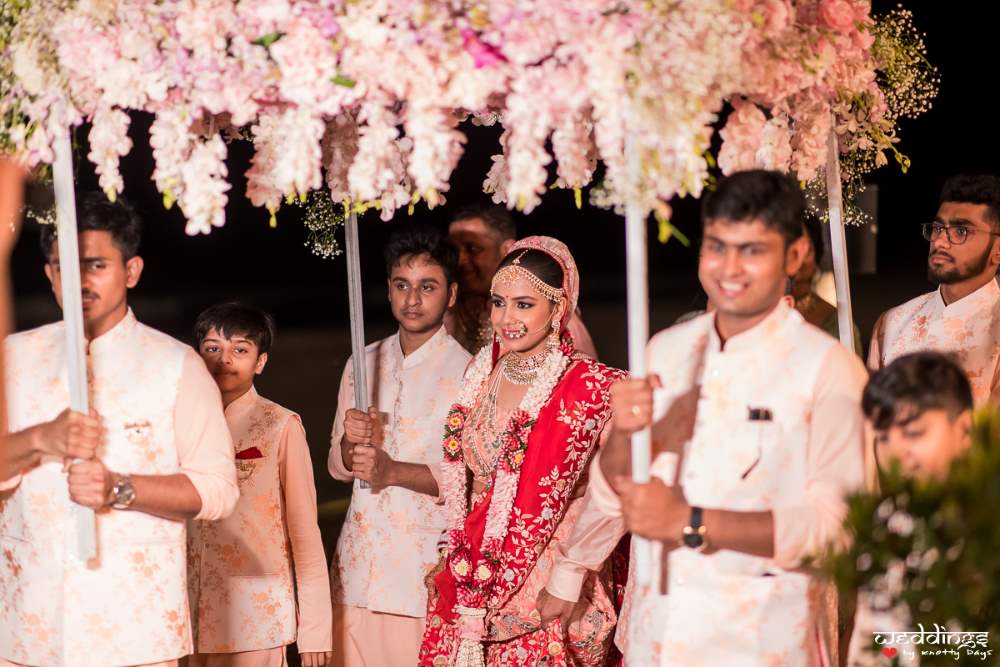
point(364, 97)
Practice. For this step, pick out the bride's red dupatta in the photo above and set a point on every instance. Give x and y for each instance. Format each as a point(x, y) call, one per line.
point(558, 448)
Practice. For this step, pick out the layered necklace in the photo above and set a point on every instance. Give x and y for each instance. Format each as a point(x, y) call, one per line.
point(521, 370)
point(517, 369)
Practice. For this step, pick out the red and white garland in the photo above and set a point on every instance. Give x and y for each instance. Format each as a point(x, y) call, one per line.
point(474, 579)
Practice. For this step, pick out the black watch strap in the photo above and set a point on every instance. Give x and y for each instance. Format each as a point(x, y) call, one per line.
point(694, 532)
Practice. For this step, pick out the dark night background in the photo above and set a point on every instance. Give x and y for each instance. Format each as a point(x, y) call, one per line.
point(271, 268)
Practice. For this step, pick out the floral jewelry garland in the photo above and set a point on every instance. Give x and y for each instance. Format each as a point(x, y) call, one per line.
point(473, 586)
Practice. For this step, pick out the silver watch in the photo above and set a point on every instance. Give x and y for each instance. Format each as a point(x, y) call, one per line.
point(122, 493)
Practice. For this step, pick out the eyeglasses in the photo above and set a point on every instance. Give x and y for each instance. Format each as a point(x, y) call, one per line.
point(957, 234)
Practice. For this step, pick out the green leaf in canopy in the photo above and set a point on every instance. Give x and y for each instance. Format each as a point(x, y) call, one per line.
point(268, 39)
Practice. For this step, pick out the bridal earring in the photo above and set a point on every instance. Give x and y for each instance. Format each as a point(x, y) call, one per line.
point(553, 341)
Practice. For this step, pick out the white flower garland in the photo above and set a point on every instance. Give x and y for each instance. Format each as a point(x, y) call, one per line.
point(505, 485)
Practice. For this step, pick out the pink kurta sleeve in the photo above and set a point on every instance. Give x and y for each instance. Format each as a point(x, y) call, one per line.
point(345, 399)
point(875, 347)
point(312, 579)
point(602, 496)
point(596, 534)
point(204, 445)
point(834, 463)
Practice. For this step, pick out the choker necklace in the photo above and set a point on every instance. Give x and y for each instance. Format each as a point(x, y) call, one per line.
point(521, 370)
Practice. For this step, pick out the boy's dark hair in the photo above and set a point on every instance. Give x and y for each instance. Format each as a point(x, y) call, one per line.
point(539, 263)
point(496, 218)
point(913, 384)
point(235, 319)
point(975, 189)
point(769, 196)
point(417, 240)
point(95, 212)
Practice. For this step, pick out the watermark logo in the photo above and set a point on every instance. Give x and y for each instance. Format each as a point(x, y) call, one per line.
point(937, 642)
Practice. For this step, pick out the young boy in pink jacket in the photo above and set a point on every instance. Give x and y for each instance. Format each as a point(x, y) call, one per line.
point(258, 580)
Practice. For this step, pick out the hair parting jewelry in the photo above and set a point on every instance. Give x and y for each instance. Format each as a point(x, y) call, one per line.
point(513, 272)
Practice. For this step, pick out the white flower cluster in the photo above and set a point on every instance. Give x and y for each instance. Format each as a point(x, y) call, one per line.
point(368, 95)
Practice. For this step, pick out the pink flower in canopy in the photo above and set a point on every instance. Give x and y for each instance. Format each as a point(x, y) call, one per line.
point(437, 147)
point(878, 106)
point(741, 137)
point(340, 145)
point(108, 142)
point(204, 177)
point(569, 79)
point(751, 141)
point(324, 18)
point(24, 60)
point(812, 121)
point(484, 55)
point(777, 15)
point(497, 178)
point(839, 15)
point(263, 16)
point(308, 65)
point(170, 139)
point(863, 39)
point(288, 156)
point(202, 26)
point(573, 147)
point(379, 169)
point(775, 150)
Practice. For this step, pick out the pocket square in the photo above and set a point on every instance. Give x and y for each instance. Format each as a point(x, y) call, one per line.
point(251, 453)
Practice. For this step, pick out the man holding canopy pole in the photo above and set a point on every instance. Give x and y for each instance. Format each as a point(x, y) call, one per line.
point(750, 465)
point(156, 452)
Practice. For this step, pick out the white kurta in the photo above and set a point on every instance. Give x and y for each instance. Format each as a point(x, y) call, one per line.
point(731, 608)
point(969, 328)
point(389, 540)
point(163, 415)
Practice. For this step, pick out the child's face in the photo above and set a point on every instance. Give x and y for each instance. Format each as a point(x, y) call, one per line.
point(927, 445)
point(419, 294)
point(233, 362)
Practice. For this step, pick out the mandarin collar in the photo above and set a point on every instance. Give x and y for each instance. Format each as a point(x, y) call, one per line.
point(419, 355)
point(755, 336)
point(110, 340)
point(243, 404)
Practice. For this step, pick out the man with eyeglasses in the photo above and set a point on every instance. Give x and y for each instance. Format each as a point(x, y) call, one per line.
point(962, 316)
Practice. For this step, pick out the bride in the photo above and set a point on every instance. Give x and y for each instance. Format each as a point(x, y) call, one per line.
point(526, 424)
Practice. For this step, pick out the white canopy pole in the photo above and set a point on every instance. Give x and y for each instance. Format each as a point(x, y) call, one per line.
point(72, 308)
point(358, 357)
point(638, 335)
point(838, 244)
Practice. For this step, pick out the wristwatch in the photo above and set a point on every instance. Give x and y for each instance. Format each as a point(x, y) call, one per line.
point(695, 532)
point(122, 493)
